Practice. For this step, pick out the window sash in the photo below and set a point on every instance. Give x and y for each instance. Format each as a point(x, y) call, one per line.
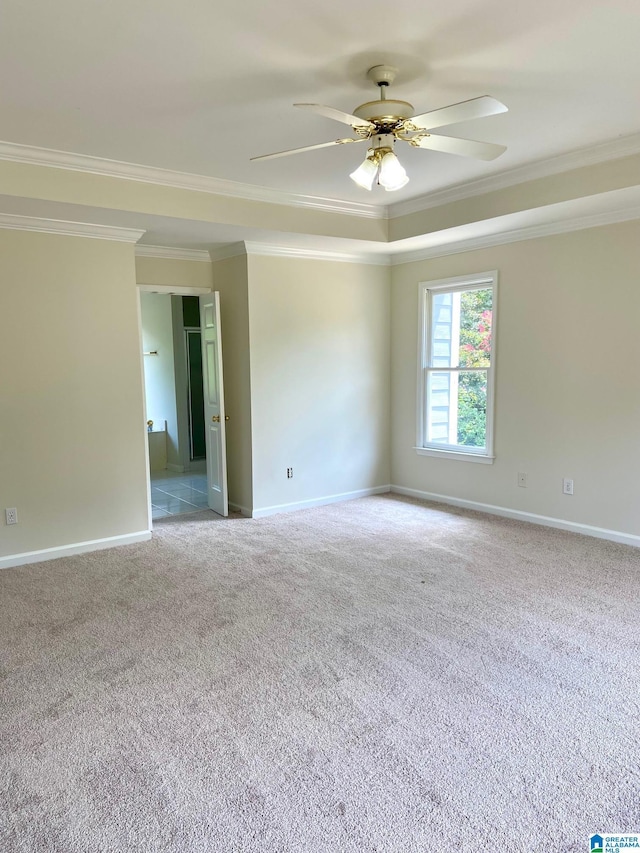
point(426, 292)
point(431, 407)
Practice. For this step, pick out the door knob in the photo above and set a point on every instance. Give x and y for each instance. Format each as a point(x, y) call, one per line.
point(226, 417)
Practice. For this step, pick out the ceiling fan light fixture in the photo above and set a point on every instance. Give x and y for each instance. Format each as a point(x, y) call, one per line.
point(392, 174)
point(365, 174)
point(382, 122)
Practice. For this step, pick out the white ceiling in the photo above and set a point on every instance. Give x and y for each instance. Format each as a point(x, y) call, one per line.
point(200, 87)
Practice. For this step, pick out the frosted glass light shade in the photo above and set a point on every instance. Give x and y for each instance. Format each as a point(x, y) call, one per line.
point(392, 173)
point(365, 174)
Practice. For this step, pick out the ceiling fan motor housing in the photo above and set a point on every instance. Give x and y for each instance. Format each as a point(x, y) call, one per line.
point(387, 112)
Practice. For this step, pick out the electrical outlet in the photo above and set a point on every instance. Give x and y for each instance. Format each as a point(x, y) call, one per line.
point(289, 473)
point(567, 486)
point(522, 480)
point(12, 515)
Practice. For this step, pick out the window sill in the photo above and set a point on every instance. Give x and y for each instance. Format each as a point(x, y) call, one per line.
point(455, 455)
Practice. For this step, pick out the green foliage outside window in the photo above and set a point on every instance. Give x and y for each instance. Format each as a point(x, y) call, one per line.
point(475, 351)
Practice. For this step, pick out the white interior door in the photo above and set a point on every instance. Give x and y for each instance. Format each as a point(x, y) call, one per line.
point(214, 416)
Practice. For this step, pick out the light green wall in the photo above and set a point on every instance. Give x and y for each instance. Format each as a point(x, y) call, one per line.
point(230, 278)
point(307, 352)
point(568, 385)
point(72, 441)
point(30, 180)
point(171, 272)
point(586, 181)
point(320, 359)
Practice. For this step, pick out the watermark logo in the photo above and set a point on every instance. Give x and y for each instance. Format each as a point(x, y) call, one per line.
point(614, 842)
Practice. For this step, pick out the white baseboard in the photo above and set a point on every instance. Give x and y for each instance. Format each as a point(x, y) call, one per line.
point(329, 499)
point(70, 550)
point(520, 515)
point(171, 466)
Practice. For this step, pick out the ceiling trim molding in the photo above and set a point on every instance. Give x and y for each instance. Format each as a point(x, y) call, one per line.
point(231, 250)
point(601, 153)
point(70, 229)
point(249, 247)
point(33, 155)
point(548, 229)
point(171, 253)
point(272, 250)
point(470, 244)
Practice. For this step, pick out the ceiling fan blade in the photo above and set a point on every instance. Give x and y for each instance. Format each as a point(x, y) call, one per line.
point(306, 148)
point(337, 115)
point(465, 110)
point(463, 147)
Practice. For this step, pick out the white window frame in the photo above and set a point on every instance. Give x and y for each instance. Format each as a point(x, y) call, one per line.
point(476, 281)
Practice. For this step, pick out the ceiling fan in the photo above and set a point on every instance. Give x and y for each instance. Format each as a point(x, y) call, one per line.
point(380, 123)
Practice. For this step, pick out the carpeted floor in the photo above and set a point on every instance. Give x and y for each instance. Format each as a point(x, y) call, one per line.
point(379, 675)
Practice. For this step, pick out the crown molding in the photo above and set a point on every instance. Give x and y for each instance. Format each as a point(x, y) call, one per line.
point(470, 244)
point(33, 155)
point(578, 223)
point(70, 229)
point(231, 250)
point(594, 154)
point(171, 253)
point(275, 251)
point(603, 152)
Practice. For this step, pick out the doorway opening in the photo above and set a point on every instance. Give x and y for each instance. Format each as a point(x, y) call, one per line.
point(172, 360)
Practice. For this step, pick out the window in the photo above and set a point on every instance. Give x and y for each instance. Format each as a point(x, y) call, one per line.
point(456, 366)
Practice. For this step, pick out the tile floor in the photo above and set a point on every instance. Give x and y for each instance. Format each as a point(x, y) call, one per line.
point(174, 494)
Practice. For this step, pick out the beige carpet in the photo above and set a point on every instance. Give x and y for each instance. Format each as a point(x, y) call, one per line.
point(379, 675)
